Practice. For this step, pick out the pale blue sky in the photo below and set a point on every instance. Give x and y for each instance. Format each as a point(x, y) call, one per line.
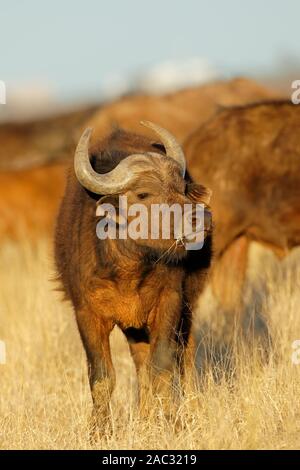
point(73, 45)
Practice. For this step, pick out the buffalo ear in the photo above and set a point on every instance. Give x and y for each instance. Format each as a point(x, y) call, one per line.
point(108, 199)
point(115, 216)
point(198, 193)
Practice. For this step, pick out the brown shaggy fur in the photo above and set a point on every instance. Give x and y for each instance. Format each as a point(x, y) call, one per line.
point(129, 283)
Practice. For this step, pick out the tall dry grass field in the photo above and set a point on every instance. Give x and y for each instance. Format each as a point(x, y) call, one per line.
point(244, 400)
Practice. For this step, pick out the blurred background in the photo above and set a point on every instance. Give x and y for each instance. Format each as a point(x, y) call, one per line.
point(63, 65)
point(61, 53)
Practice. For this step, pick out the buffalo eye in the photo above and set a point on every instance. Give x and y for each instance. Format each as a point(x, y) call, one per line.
point(143, 195)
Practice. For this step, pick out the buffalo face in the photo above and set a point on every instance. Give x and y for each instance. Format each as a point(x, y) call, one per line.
point(147, 201)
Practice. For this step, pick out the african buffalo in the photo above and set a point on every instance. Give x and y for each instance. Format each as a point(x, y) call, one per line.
point(250, 157)
point(147, 287)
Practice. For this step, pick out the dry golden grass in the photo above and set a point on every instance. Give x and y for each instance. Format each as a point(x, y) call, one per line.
point(44, 395)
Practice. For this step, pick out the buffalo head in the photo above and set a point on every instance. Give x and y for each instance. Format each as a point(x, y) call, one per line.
point(160, 208)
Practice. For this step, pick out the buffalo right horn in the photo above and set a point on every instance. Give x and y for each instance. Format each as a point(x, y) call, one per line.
point(173, 149)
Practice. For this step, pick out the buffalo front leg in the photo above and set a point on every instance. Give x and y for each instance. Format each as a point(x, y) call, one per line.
point(138, 340)
point(164, 350)
point(95, 332)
